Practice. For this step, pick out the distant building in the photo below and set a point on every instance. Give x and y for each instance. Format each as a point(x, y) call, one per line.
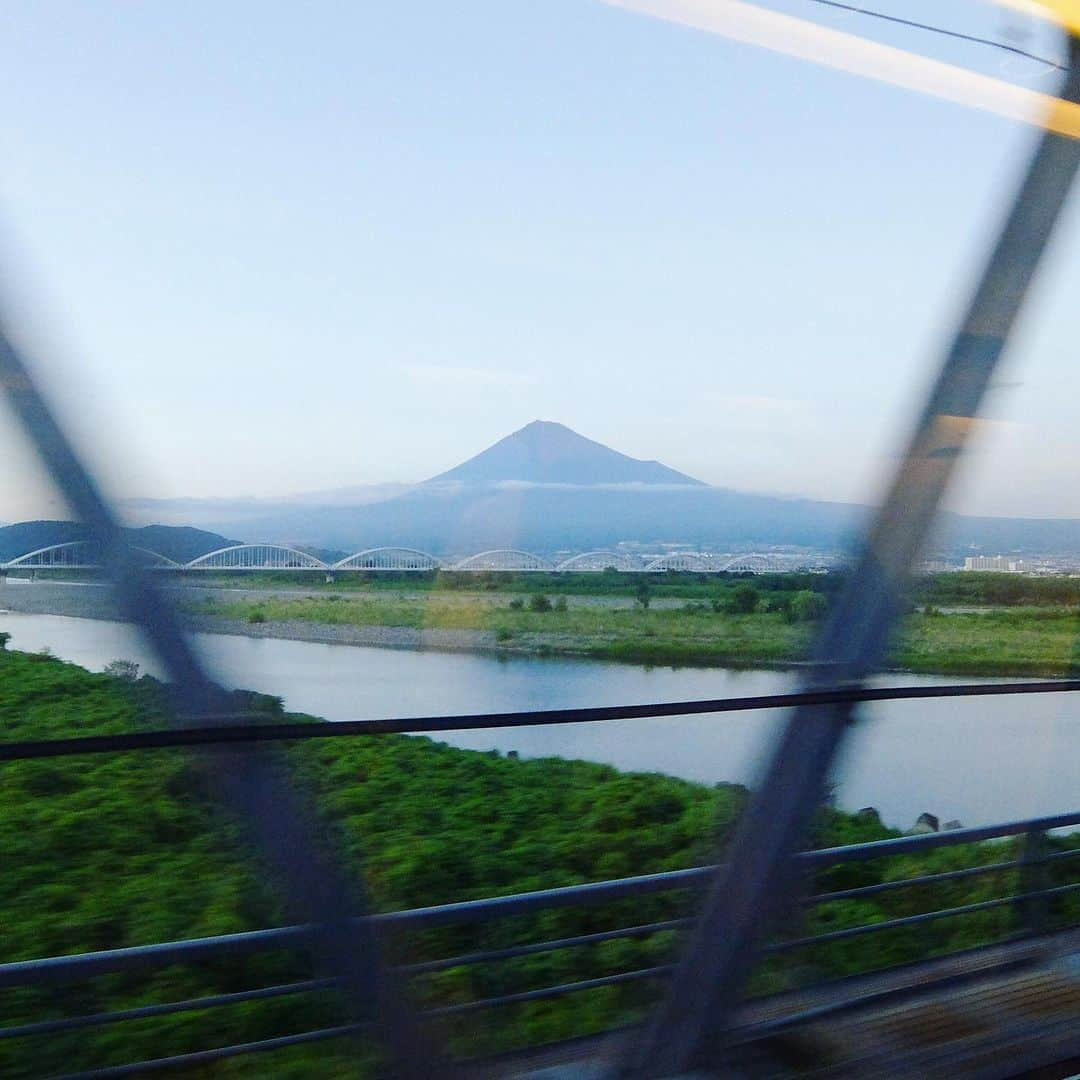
point(926, 823)
point(994, 562)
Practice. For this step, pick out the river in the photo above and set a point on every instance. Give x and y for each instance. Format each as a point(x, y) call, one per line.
point(974, 760)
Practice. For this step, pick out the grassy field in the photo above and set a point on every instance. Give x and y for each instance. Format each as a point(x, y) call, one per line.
point(1000, 641)
point(682, 585)
point(1021, 640)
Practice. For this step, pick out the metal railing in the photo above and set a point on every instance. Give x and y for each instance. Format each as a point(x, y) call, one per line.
point(245, 729)
point(1030, 904)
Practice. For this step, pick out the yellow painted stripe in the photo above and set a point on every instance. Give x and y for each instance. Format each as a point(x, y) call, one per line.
point(1064, 12)
point(772, 30)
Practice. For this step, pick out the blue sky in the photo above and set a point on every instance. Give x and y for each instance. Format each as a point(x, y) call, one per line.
point(268, 248)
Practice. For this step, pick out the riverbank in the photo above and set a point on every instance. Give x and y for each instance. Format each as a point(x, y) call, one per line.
point(1021, 641)
point(91, 601)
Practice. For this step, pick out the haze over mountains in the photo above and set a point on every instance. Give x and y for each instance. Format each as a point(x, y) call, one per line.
point(546, 488)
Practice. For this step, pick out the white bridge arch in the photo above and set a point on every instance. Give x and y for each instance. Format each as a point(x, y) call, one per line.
point(78, 555)
point(504, 559)
point(86, 555)
point(755, 564)
point(683, 561)
point(388, 558)
point(256, 557)
point(600, 560)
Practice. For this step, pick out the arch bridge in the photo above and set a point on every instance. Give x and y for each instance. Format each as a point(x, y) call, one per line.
point(389, 558)
point(685, 561)
point(256, 557)
point(756, 564)
point(504, 559)
point(80, 555)
point(600, 561)
point(85, 555)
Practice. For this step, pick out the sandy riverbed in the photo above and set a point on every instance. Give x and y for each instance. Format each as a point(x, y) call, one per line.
point(90, 601)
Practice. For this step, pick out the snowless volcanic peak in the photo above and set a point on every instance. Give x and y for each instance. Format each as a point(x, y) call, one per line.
point(544, 452)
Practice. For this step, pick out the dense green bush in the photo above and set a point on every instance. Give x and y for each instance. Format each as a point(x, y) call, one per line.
point(776, 604)
point(805, 606)
point(115, 850)
point(743, 600)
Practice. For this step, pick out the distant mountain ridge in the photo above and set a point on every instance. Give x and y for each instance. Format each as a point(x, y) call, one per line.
point(545, 452)
point(179, 543)
point(546, 488)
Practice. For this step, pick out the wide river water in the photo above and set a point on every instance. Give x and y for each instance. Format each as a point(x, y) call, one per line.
point(978, 760)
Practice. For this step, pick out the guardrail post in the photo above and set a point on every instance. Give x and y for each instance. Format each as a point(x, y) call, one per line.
point(1033, 908)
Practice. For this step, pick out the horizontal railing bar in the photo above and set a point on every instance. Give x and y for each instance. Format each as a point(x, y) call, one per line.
point(1054, 856)
point(755, 1029)
point(498, 907)
point(252, 733)
point(926, 879)
point(70, 1023)
point(85, 965)
point(902, 845)
point(890, 924)
point(930, 879)
point(915, 920)
point(200, 1057)
point(552, 991)
point(752, 1030)
point(204, 1057)
point(513, 951)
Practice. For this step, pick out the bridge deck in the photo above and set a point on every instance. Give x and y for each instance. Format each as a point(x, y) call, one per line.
point(1003, 1011)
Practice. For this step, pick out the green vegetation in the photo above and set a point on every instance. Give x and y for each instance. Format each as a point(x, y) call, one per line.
point(743, 600)
point(741, 625)
point(117, 850)
point(667, 584)
point(1016, 641)
point(643, 594)
point(997, 590)
point(575, 627)
point(121, 850)
point(949, 589)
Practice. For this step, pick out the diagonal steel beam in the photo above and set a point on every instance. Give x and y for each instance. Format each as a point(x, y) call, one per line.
point(688, 1030)
point(252, 785)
